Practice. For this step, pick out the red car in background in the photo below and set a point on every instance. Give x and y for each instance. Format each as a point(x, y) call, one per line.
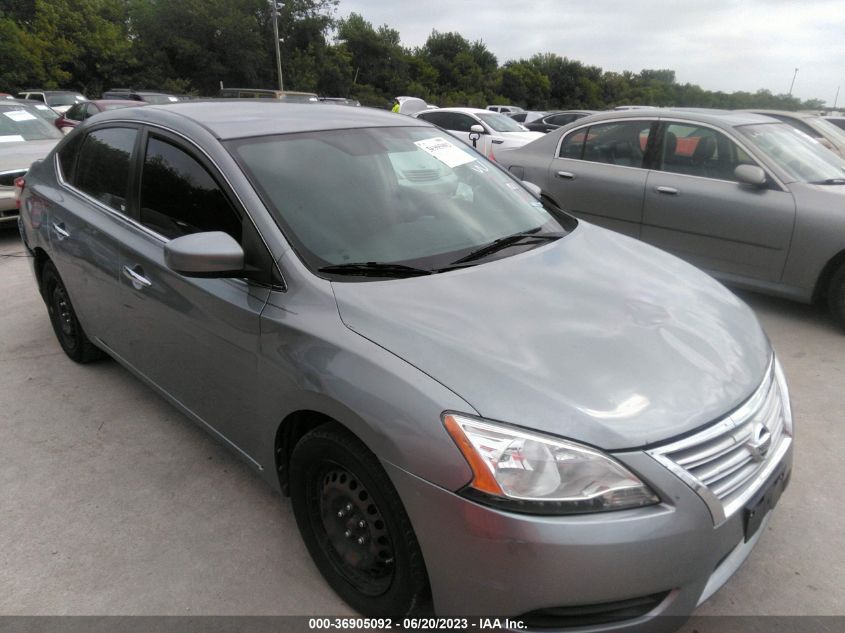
point(81, 111)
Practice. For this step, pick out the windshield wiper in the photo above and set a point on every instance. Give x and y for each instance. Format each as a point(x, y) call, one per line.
point(374, 269)
point(504, 242)
point(829, 181)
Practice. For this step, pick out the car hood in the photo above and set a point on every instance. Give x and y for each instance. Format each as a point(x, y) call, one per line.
point(22, 155)
point(595, 337)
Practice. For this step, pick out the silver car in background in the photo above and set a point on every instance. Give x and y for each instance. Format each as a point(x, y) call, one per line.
point(750, 200)
point(25, 136)
point(475, 401)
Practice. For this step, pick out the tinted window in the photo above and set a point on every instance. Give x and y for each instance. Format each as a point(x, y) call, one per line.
point(620, 143)
point(102, 170)
point(573, 144)
point(75, 113)
point(700, 151)
point(67, 156)
point(179, 197)
point(560, 119)
point(437, 118)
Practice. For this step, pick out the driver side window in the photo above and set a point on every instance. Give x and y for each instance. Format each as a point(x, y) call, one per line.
point(700, 151)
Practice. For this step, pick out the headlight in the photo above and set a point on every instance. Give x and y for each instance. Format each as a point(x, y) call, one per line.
point(784, 398)
point(529, 472)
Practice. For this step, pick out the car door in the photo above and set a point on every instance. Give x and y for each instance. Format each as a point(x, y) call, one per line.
point(696, 208)
point(598, 173)
point(196, 338)
point(89, 220)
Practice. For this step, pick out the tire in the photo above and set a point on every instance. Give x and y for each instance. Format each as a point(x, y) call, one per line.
point(836, 296)
point(354, 525)
point(69, 332)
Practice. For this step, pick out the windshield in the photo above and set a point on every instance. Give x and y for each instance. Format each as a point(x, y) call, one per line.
point(500, 122)
point(794, 152)
point(22, 124)
point(64, 99)
point(406, 196)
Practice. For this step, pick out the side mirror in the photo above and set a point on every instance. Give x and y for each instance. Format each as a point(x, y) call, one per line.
point(475, 132)
point(534, 189)
point(212, 254)
point(752, 175)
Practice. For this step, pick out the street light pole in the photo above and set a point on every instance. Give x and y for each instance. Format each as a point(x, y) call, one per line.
point(793, 82)
point(276, 6)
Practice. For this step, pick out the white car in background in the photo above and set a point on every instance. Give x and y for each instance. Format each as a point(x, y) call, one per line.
point(492, 131)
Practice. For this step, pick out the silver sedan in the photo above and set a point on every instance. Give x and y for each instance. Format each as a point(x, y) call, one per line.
point(747, 198)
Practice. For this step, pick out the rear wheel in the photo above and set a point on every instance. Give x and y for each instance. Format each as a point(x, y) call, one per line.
point(836, 296)
point(355, 526)
point(68, 330)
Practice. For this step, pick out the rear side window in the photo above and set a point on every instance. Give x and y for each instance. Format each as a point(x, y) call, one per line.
point(179, 196)
point(67, 156)
point(102, 170)
point(619, 143)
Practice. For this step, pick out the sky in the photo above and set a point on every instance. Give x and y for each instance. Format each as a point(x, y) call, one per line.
point(726, 45)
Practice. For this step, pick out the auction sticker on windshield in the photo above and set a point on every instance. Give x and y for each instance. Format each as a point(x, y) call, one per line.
point(444, 151)
point(20, 115)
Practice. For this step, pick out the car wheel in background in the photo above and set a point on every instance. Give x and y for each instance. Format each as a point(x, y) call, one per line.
point(355, 526)
point(68, 330)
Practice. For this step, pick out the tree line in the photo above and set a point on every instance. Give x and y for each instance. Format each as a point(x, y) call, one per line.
point(191, 46)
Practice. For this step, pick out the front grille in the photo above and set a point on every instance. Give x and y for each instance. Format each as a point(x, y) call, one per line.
point(7, 178)
point(727, 462)
point(592, 614)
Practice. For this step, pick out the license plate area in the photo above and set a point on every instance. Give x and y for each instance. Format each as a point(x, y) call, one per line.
point(766, 498)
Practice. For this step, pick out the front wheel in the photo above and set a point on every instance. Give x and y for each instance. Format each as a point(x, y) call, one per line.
point(354, 524)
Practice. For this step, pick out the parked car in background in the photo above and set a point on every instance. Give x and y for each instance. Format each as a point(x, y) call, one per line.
point(743, 196)
point(472, 399)
point(493, 131)
point(527, 116)
point(554, 120)
point(59, 100)
point(82, 111)
point(290, 96)
point(25, 136)
point(838, 121)
point(505, 109)
point(814, 126)
point(42, 110)
point(6, 95)
point(146, 96)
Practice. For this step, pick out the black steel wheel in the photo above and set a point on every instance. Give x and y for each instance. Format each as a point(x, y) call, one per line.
point(354, 524)
point(68, 330)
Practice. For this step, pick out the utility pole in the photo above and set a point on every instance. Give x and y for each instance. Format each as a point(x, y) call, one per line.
point(793, 82)
point(836, 98)
point(276, 6)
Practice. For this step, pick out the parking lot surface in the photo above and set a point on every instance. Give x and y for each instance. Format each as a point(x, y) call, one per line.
point(113, 503)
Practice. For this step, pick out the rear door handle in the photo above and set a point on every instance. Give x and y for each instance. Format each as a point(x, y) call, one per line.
point(669, 191)
point(498, 141)
point(59, 228)
point(139, 282)
point(568, 175)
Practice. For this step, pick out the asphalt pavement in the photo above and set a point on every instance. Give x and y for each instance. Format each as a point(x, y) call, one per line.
point(113, 503)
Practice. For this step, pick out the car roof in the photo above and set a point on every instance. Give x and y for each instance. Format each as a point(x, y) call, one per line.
point(726, 118)
point(105, 102)
point(789, 113)
point(240, 118)
point(466, 110)
point(51, 92)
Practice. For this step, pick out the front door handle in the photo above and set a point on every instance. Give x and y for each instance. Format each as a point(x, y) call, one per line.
point(498, 141)
point(669, 191)
point(568, 175)
point(59, 228)
point(139, 282)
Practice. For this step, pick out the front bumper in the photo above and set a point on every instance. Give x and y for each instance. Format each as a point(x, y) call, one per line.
point(485, 562)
